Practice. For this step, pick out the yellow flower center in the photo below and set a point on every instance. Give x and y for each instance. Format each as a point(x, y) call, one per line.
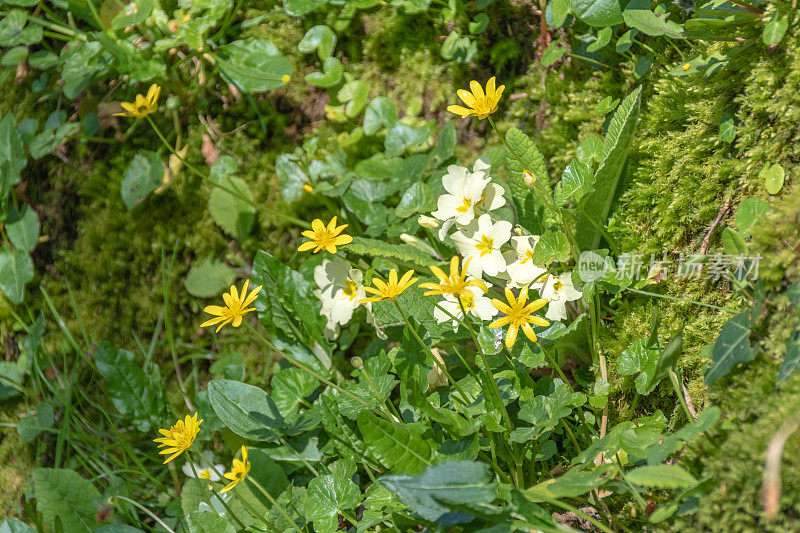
point(205, 474)
point(463, 208)
point(468, 301)
point(557, 286)
point(528, 257)
point(351, 290)
point(485, 246)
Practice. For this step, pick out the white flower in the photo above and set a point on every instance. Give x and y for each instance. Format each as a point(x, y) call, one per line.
point(204, 471)
point(340, 290)
point(477, 305)
point(465, 191)
point(481, 241)
point(521, 271)
point(558, 291)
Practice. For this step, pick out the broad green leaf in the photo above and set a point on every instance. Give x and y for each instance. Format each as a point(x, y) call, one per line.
point(42, 60)
point(571, 485)
point(727, 130)
point(208, 522)
point(616, 146)
point(342, 433)
point(16, 271)
point(380, 113)
point(773, 178)
point(128, 59)
point(792, 358)
point(445, 144)
point(559, 11)
point(417, 199)
point(400, 137)
point(400, 252)
point(208, 277)
point(12, 525)
point(246, 410)
point(354, 95)
point(14, 56)
point(34, 424)
point(81, 66)
point(129, 387)
point(327, 495)
point(320, 38)
point(576, 181)
point(291, 176)
point(12, 158)
point(267, 472)
point(23, 231)
point(552, 246)
point(553, 53)
point(750, 211)
point(253, 65)
point(400, 448)
point(65, 495)
point(775, 29)
point(299, 8)
point(479, 24)
point(732, 347)
point(733, 242)
point(232, 212)
point(524, 157)
point(642, 360)
point(290, 387)
point(662, 476)
point(331, 74)
point(597, 12)
point(132, 14)
point(142, 177)
point(431, 493)
point(653, 24)
point(10, 380)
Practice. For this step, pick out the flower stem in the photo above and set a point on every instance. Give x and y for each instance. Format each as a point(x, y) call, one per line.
point(205, 489)
point(274, 503)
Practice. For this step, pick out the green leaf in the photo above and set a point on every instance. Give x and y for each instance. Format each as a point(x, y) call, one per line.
point(131, 17)
point(792, 359)
point(773, 178)
point(208, 522)
point(380, 113)
point(571, 485)
point(750, 211)
point(142, 177)
point(523, 156)
point(246, 410)
point(576, 181)
point(431, 493)
point(400, 252)
point(129, 387)
point(320, 38)
point(290, 387)
point(34, 424)
point(653, 24)
point(16, 271)
point(208, 277)
point(267, 472)
point(553, 53)
point(331, 74)
point(732, 347)
point(733, 242)
point(401, 449)
point(616, 146)
point(291, 176)
point(598, 12)
point(10, 376)
point(65, 495)
point(642, 360)
point(400, 137)
point(12, 158)
point(662, 476)
point(552, 246)
point(14, 56)
point(479, 24)
point(231, 212)
point(43, 60)
point(727, 130)
point(299, 8)
point(128, 59)
point(12, 525)
point(327, 495)
point(24, 231)
point(354, 94)
point(775, 29)
point(253, 65)
point(81, 66)
point(417, 199)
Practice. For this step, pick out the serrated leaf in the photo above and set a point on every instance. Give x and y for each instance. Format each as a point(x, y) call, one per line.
point(576, 181)
point(208, 277)
point(731, 347)
point(653, 24)
point(129, 387)
point(63, 494)
point(662, 476)
point(552, 246)
point(246, 410)
point(400, 252)
point(526, 197)
point(208, 522)
point(327, 495)
point(432, 493)
point(401, 449)
point(616, 146)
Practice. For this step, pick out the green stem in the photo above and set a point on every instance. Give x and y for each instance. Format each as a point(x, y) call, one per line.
point(148, 512)
point(677, 386)
point(683, 300)
point(274, 503)
point(205, 490)
point(636, 496)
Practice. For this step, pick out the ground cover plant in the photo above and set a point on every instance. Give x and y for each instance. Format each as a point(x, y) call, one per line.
point(414, 265)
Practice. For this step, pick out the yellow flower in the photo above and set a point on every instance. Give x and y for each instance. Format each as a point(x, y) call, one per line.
point(325, 237)
point(235, 307)
point(686, 66)
point(141, 106)
point(286, 78)
point(391, 290)
point(308, 188)
point(179, 437)
point(519, 315)
point(238, 471)
point(478, 103)
point(456, 284)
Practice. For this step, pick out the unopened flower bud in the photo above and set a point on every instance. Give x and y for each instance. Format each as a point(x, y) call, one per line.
point(308, 188)
point(428, 222)
point(357, 362)
point(528, 177)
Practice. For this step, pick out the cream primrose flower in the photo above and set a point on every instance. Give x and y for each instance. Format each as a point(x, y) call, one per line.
point(476, 304)
point(558, 291)
point(465, 191)
point(481, 242)
point(340, 290)
point(204, 472)
point(521, 269)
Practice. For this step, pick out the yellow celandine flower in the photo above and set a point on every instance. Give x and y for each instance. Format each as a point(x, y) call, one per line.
point(308, 188)
point(391, 290)
point(235, 307)
point(179, 437)
point(238, 471)
point(286, 78)
point(456, 284)
point(142, 105)
point(686, 66)
point(519, 314)
point(478, 103)
point(325, 237)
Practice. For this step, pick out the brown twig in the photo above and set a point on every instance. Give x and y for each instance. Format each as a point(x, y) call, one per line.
point(707, 238)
